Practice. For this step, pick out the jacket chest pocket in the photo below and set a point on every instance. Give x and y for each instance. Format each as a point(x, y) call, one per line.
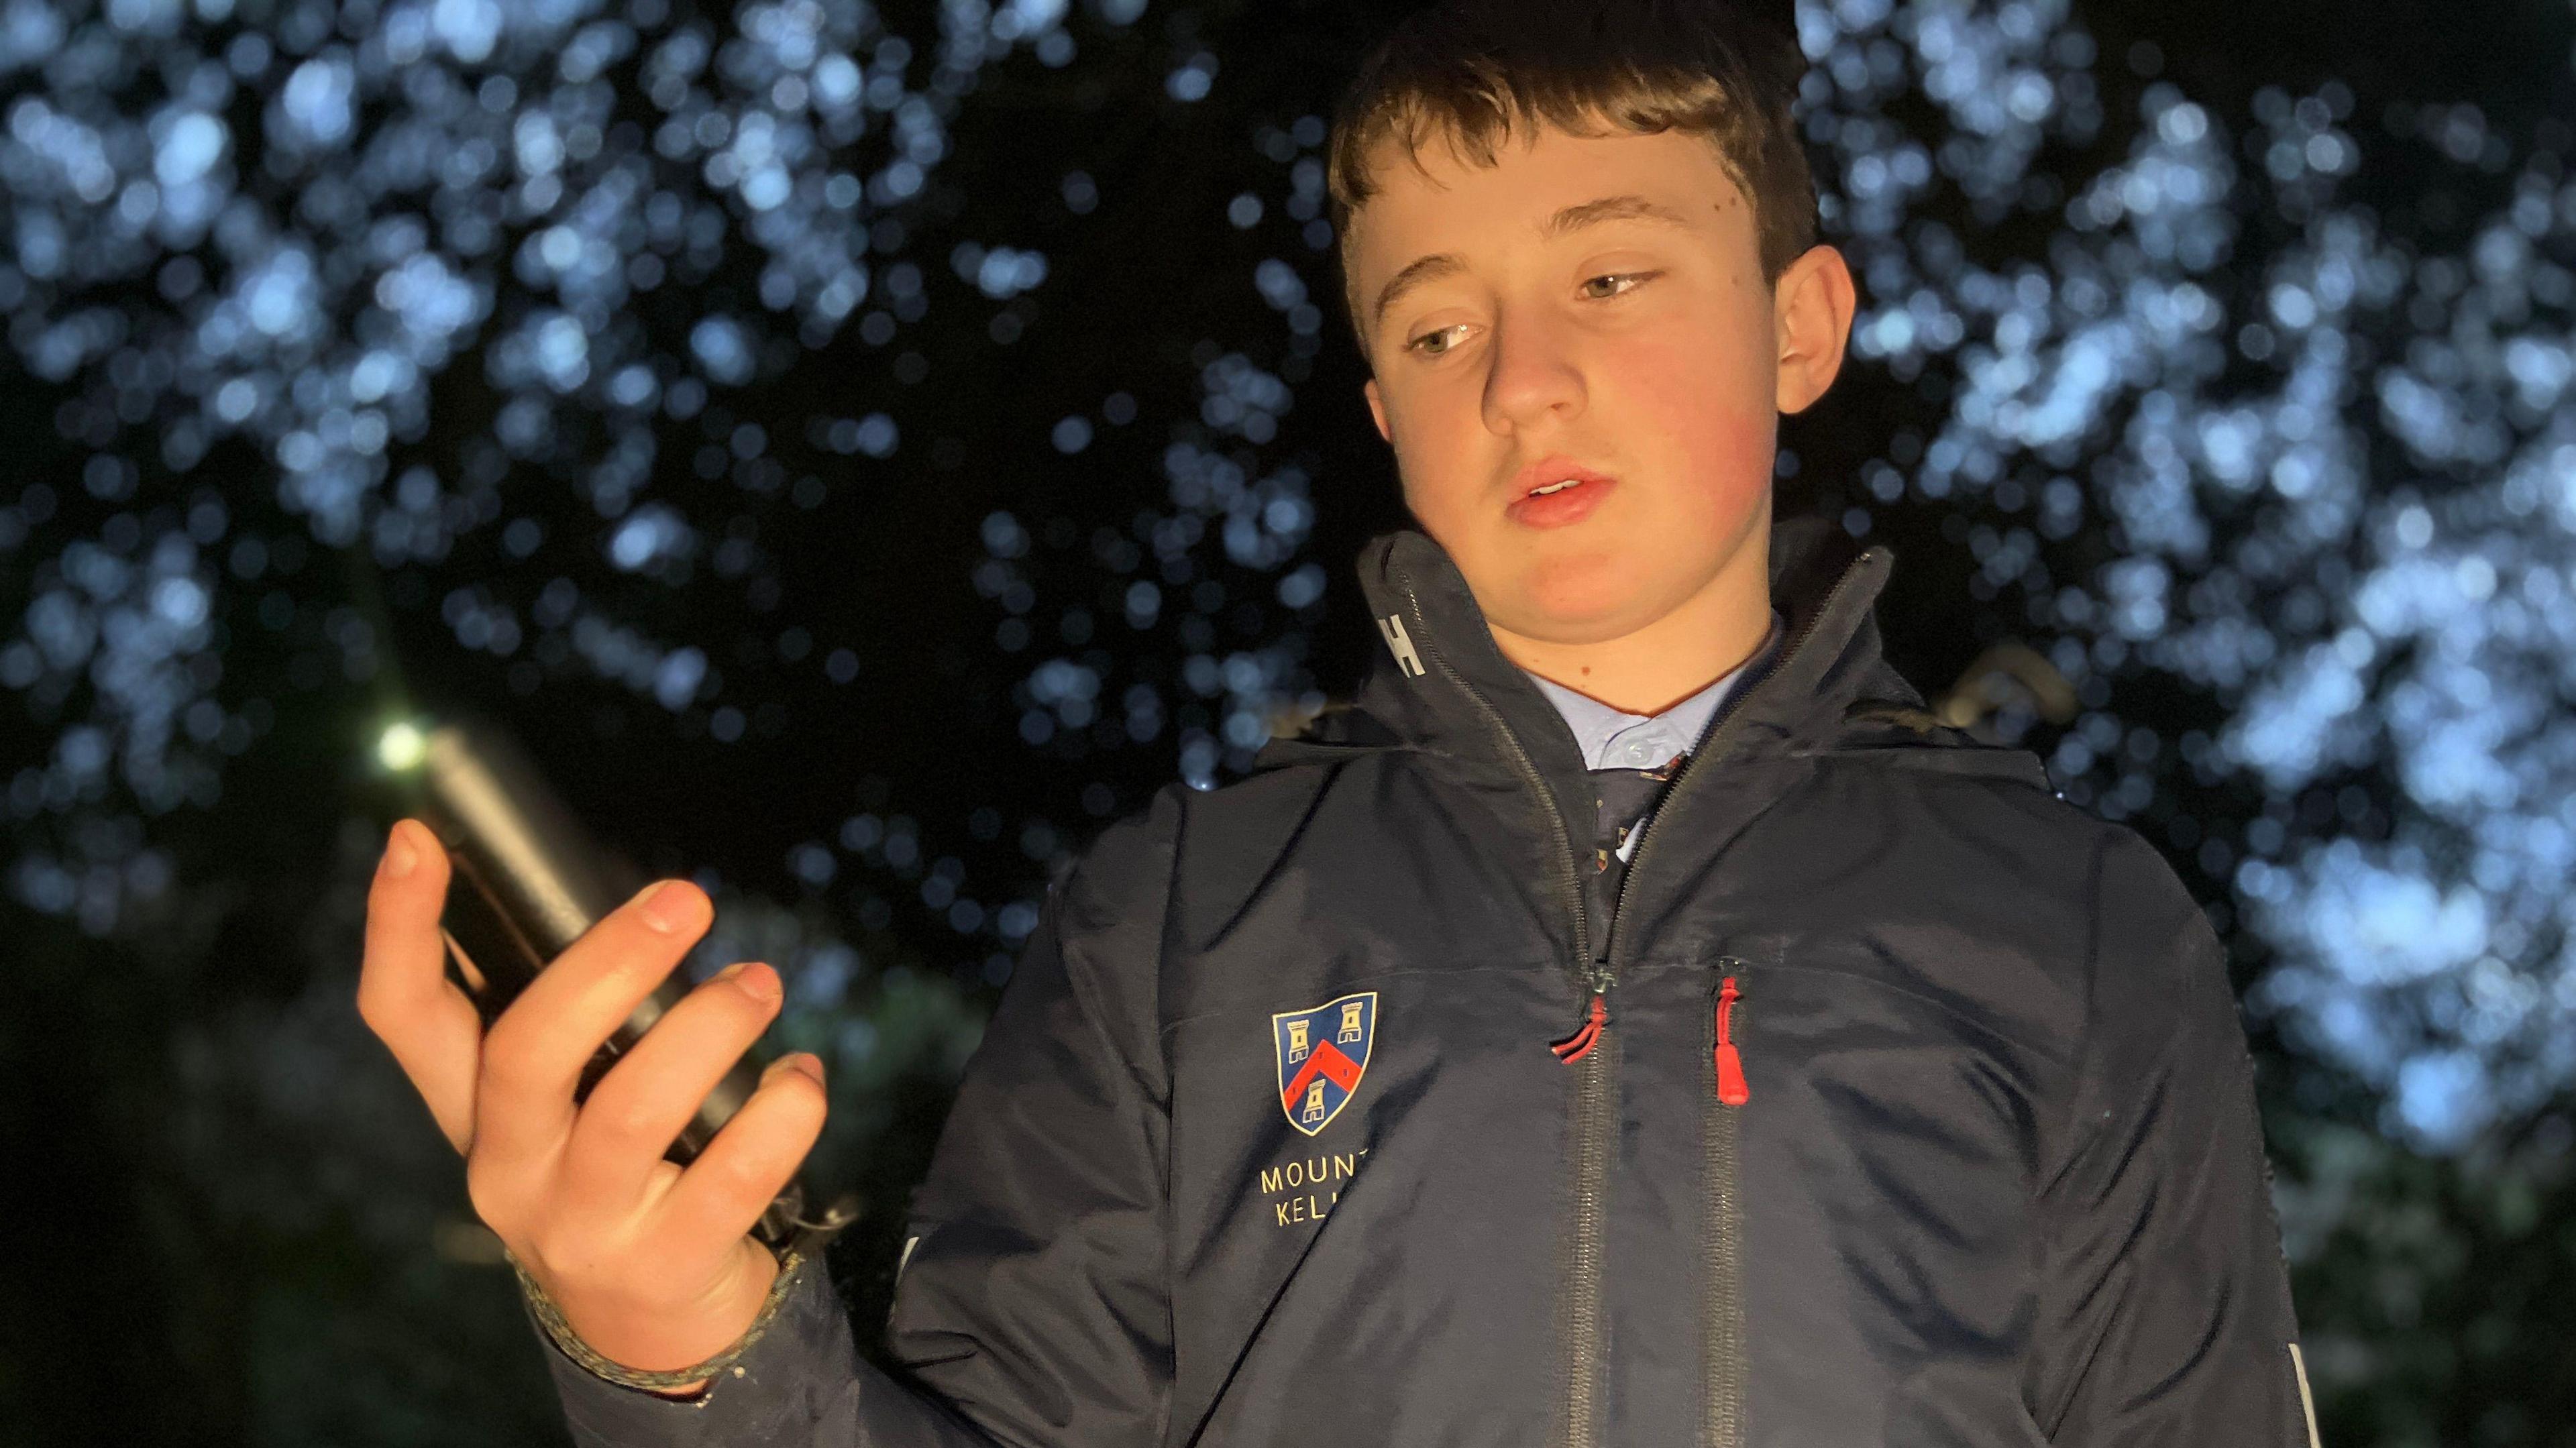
point(1880, 1083)
point(1868, 1162)
point(1887, 1152)
point(1726, 1095)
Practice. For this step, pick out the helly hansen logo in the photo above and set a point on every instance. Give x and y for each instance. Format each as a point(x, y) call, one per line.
point(1400, 644)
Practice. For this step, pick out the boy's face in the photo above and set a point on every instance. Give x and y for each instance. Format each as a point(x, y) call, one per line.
point(1586, 308)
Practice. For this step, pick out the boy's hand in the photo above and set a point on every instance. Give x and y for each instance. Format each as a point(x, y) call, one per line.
point(654, 1266)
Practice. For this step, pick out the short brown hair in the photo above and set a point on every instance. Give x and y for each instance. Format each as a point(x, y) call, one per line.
point(1474, 71)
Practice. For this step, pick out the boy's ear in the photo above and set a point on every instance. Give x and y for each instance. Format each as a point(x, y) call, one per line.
point(1377, 408)
point(1812, 307)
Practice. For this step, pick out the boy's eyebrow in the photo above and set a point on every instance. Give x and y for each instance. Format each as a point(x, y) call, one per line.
point(1582, 214)
point(1415, 273)
point(1609, 208)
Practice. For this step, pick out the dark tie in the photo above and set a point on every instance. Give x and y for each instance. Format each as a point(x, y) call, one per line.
point(1626, 797)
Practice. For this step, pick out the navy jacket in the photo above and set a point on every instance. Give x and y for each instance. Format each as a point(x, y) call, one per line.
point(1918, 1114)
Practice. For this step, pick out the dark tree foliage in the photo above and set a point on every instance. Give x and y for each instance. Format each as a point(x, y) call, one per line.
point(861, 448)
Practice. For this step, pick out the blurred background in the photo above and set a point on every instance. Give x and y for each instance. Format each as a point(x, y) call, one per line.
point(861, 448)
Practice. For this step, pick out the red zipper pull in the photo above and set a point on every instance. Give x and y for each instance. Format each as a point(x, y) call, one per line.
point(1575, 1047)
point(1730, 1067)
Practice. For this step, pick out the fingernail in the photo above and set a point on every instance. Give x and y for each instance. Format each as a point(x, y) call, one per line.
point(666, 906)
point(807, 1062)
point(399, 855)
point(762, 987)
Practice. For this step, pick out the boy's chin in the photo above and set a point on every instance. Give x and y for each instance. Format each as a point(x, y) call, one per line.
point(1562, 610)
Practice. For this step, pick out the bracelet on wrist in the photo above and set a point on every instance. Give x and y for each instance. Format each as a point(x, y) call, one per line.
point(550, 1317)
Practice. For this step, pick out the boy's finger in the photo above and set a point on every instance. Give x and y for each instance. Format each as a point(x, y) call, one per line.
point(535, 1051)
point(404, 994)
point(632, 1115)
point(723, 1192)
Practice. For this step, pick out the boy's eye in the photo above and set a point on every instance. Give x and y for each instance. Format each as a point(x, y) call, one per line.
point(1602, 288)
point(1437, 341)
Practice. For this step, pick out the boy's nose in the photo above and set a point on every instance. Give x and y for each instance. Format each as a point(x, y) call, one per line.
point(1532, 379)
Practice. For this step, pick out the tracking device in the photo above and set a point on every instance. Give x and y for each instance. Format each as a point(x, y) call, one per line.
point(527, 879)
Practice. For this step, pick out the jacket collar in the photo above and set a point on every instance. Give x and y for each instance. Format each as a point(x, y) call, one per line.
point(1439, 683)
point(1439, 688)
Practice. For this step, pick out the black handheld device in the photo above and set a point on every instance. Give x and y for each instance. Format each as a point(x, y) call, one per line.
point(526, 880)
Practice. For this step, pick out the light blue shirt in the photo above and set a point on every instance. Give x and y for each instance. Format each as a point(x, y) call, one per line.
point(1610, 739)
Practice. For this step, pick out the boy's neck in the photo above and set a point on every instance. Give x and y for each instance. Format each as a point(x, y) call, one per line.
point(1714, 632)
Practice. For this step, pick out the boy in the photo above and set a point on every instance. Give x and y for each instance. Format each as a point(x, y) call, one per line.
point(1636, 1022)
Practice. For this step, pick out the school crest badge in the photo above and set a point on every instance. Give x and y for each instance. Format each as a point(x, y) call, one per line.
point(1322, 1051)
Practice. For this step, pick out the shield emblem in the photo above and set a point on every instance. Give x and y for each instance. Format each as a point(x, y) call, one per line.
point(1322, 1052)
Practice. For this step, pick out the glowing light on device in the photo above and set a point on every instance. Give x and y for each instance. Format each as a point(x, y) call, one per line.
point(401, 747)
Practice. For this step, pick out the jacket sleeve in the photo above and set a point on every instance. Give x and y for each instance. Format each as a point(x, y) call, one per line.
point(1030, 1303)
point(801, 1385)
point(2164, 1303)
point(1034, 1293)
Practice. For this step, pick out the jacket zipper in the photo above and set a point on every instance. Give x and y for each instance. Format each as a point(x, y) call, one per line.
point(1582, 1308)
point(1722, 1330)
point(1592, 1086)
point(1579, 1045)
point(1726, 1060)
point(1722, 1306)
point(1572, 883)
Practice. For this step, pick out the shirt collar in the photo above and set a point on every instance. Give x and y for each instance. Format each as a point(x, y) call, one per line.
point(1610, 739)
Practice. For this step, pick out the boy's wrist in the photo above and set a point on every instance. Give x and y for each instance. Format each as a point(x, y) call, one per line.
point(680, 1383)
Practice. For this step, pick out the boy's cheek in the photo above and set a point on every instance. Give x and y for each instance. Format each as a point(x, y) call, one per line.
point(1732, 461)
point(1439, 504)
point(1435, 462)
point(1676, 374)
point(1711, 426)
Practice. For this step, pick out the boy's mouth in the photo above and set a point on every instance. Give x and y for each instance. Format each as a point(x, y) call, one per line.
point(1555, 492)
